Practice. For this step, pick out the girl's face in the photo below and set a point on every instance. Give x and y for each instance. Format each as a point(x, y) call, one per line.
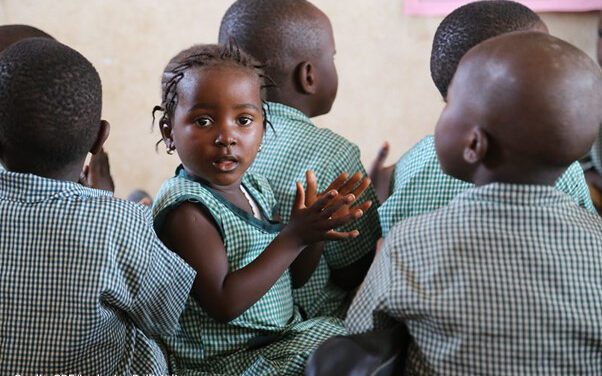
point(217, 126)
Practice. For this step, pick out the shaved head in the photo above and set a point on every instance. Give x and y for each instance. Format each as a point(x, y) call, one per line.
point(470, 25)
point(277, 33)
point(536, 99)
point(10, 34)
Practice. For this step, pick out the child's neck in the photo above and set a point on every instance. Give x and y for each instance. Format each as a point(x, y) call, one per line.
point(293, 100)
point(70, 172)
point(518, 176)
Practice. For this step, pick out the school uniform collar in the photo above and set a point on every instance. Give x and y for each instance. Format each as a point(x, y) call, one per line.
point(32, 188)
point(517, 195)
point(279, 110)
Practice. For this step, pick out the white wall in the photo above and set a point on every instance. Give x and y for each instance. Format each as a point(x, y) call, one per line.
point(385, 89)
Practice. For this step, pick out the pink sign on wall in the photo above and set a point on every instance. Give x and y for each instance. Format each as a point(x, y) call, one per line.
point(443, 7)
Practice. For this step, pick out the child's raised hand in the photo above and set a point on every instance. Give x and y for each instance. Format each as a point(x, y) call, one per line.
point(316, 216)
point(97, 174)
point(355, 185)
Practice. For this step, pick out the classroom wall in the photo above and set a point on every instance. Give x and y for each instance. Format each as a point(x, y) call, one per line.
point(385, 91)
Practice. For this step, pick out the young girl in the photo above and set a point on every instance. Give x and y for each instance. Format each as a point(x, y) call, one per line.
point(240, 317)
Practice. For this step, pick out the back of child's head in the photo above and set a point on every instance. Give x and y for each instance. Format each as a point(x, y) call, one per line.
point(10, 34)
point(277, 33)
point(201, 56)
point(295, 42)
point(468, 26)
point(50, 106)
point(534, 101)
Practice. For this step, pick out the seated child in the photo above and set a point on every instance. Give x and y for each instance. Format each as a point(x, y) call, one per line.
point(86, 283)
point(11, 34)
point(97, 173)
point(295, 42)
point(240, 316)
point(506, 279)
point(419, 183)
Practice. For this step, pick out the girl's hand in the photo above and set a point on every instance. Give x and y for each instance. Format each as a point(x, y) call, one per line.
point(356, 185)
point(315, 223)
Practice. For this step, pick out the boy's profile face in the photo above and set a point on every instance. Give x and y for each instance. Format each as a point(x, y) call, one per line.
point(326, 71)
point(451, 132)
point(217, 125)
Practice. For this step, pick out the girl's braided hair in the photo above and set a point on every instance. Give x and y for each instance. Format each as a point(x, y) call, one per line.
point(205, 55)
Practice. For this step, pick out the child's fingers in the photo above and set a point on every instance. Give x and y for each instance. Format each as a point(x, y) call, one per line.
point(299, 196)
point(340, 235)
point(336, 205)
point(338, 182)
point(338, 222)
point(379, 161)
point(350, 184)
point(324, 201)
point(361, 188)
point(364, 206)
point(312, 187)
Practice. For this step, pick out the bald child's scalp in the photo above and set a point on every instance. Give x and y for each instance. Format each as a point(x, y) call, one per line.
point(533, 101)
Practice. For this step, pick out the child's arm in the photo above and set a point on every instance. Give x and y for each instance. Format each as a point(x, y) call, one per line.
point(97, 174)
point(226, 294)
point(304, 266)
point(381, 175)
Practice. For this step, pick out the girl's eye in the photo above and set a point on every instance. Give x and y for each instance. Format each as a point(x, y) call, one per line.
point(245, 121)
point(203, 122)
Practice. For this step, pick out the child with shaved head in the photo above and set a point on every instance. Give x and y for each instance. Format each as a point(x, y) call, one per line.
point(506, 278)
point(419, 185)
point(294, 41)
point(87, 286)
point(97, 173)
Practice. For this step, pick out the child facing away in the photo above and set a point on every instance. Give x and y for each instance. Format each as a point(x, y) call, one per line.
point(506, 279)
point(240, 317)
point(295, 42)
point(97, 173)
point(419, 185)
point(86, 284)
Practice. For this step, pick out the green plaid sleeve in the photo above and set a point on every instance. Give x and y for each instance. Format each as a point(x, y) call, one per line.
point(344, 253)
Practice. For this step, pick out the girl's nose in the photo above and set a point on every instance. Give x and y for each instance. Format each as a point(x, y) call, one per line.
point(225, 138)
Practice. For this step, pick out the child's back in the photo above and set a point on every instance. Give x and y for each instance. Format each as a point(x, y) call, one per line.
point(506, 279)
point(419, 185)
point(86, 283)
point(294, 40)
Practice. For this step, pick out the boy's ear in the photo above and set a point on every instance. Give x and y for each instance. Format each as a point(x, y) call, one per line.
point(103, 134)
point(477, 146)
point(305, 77)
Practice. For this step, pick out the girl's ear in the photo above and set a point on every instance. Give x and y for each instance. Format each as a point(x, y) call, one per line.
point(165, 127)
point(477, 147)
point(103, 134)
point(305, 77)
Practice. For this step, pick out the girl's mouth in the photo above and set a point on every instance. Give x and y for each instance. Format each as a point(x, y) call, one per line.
point(226, 163)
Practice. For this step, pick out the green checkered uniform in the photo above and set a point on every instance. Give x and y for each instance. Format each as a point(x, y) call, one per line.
point(420, 186)
point(505, 280)
point(269, 337)
point(292, 147)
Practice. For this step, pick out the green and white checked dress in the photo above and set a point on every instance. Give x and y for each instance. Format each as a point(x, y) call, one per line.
point(505, 280)
point(86, 287)
point(420, 186)
point(294, 146)
point(268, 338)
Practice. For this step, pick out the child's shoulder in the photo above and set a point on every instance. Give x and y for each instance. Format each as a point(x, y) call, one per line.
point(119, 214)
point(295, 129)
